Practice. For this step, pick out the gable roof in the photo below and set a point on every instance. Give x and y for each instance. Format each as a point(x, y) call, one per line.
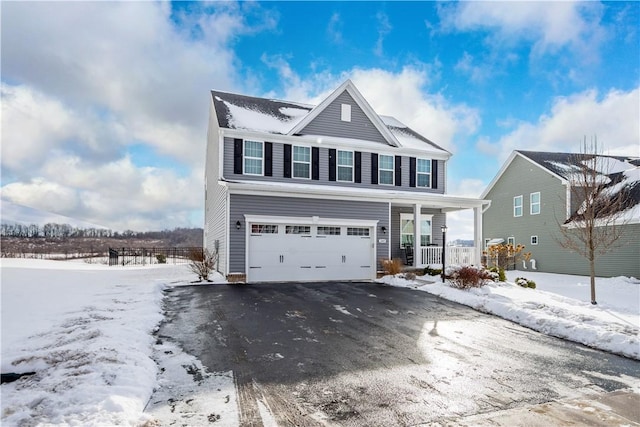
point(621, 174)
point(350, 88)
point(234, 111)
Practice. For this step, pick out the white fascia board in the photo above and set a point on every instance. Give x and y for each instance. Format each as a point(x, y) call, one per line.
point(309, 191)
point(306, 220)
point(333, 142)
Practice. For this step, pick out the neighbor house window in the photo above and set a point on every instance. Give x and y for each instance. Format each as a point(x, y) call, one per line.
point(301, 162)
point(345, 166)
point(385, 169)
point(517, 206)
point(534, 240)
point(486, 243)
point(407, 231)
point(253, 157)
point(511, 241)
point(423, 172)
point(345, 113)
point(535, 203)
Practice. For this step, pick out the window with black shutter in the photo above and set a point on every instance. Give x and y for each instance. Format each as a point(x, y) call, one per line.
point(412, 172)
point(332, 164)
point(287, 160)
point(398, 167)
point(374, 168)
point(315, 163)
point(434, 174)
point(237, 156)
point(358, 167)
point(268, 159)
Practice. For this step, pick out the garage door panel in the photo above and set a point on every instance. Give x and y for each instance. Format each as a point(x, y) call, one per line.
point(309, 252)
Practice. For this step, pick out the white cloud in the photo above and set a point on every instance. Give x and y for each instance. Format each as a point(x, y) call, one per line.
point(94, 78)
point(384, 28)
point(334, 28)
point(550, 26)
point(428, 113)
point(612, 118)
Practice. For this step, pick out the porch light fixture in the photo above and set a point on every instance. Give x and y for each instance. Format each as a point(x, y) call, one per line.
point(444, 240)
point(384, 229)
point(238, 224)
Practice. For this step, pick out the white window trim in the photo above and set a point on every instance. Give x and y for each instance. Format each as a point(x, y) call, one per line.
point(293, 161)
point(393, 169)
point(424, 173)
point(537, 240)
point(531, 203)
point(345, 112)
point(244, 156)
point(511, 241)
point(411, 217)
point(521, 206)
point(353, 166)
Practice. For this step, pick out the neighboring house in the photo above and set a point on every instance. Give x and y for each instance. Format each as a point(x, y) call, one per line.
point(531, 198)
point(296, 192)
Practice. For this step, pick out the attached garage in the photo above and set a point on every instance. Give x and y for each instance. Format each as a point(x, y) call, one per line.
point(309, 249)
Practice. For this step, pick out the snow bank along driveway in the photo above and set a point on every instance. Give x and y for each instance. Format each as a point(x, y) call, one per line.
point(86, 330)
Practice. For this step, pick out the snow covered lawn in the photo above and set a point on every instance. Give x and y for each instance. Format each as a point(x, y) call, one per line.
point(86, 330)
point(559, 306)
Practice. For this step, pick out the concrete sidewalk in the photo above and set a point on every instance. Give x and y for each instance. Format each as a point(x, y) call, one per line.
point(619, 408)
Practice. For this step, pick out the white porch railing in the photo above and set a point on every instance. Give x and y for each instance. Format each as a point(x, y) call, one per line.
point(455, 255)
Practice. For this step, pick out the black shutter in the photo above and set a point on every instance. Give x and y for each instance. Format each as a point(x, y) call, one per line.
point(358, 167)
point(287, 161)
point(398, 166)
point(374, 168)
point(268, 159)
point(315, 163)
point(434, 174)
point(412, 172)
point(332, 164)
point(237, 156)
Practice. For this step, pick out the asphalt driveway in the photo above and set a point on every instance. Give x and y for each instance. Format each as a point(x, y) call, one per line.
point(366, 354)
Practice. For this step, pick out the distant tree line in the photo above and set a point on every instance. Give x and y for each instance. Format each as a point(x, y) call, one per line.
point(66, 231)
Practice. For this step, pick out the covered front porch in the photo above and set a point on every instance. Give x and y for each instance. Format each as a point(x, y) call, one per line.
point(426, 224)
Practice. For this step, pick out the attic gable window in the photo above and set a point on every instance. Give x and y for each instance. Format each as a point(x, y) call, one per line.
point(345, 113)
point(253, 157)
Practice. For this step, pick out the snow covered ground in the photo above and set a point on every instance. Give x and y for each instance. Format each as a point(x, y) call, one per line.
point(87, 332)
point(559, 306)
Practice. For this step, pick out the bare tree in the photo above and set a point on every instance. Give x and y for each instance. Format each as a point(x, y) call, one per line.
point(601, 197)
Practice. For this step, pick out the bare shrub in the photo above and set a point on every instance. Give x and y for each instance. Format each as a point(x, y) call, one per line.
point(391, 266)
point(202, 263)
point(468, 276)
point(410, 276)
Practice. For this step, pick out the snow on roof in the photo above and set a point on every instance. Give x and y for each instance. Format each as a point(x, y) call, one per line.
point(235, 111)
point(616, 173)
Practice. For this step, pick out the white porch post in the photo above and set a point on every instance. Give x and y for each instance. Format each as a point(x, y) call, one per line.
point(477, 235)
point(417, 250)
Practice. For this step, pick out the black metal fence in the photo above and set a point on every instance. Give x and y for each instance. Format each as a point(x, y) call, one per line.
point(143, 256)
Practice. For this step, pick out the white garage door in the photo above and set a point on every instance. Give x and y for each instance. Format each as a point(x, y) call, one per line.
point(309, 252)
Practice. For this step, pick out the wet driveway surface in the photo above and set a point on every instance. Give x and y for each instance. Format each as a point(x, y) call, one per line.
point(366, 354)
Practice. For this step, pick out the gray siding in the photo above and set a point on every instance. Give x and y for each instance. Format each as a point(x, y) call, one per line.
point(438, 220)
point(329, 122)
point(289, 206)
point(524, 178)
point(278, 171)
point(215, 199)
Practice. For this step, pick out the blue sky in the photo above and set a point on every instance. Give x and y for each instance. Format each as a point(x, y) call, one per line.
point(104, 104)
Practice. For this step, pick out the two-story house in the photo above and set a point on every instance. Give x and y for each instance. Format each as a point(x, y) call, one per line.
point(296, 192)
point(531, 199)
